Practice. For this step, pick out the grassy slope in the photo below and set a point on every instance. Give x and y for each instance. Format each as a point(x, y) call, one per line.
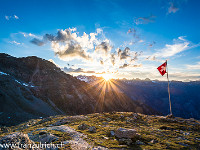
point(170, 133)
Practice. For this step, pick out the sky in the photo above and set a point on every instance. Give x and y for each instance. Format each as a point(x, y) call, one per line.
point(121, 38)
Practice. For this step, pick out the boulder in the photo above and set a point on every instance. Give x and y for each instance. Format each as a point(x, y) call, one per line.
point(112, 133)
point(83, 126)
point(16, 137)
point(44, 137)
point(138, 142)
point(48, 138)
point(92, 129)
point(125, 133)
point(125, 141)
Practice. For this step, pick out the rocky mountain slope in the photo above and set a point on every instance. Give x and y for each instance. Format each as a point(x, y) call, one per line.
point(31, 87)
point(104, 131)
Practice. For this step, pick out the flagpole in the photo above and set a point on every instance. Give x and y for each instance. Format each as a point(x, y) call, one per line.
point(169, 91)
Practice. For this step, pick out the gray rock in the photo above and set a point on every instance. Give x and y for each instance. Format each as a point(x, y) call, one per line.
point(112, 133)
point(44, 137)
point(92, 129)
point(42, 133)
point(183, 144)
point(16, 137)
point(125, 133)
point(108, 119)
point(83, 126)
point(125, 141)
point(138, 142)
point(105, 123)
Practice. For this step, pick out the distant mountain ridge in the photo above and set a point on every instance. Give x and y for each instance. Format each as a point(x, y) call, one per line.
point(185, 96)
point(31, 87)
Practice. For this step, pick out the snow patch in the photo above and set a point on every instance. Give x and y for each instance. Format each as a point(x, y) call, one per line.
point(24, 84)
point(2, 73)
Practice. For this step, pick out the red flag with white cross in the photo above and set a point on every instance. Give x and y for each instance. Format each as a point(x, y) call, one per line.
point(162, 68)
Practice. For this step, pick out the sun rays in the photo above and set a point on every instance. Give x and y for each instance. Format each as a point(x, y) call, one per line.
point(107, 77)
point(107, 92)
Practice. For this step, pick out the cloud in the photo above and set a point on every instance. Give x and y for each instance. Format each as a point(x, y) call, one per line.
point(78, 70)
point(152, 44)
point(73, 50)
point(67, 44)
point(112, 58)
point(101, 62)
point(128, 65)
point(172, 8)
point(104, 47)
point(153, 58)
point(123, 54)
point(16, 17)
point(16, 43)
point(28, 34)
point(37, 42)
point(180, 45)
point(135, 57)
point(194, 67)
point(11, 17)
point(124, 66)
point(145, 20)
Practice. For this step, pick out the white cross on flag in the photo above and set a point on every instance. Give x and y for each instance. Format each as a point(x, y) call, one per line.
point(162, 68)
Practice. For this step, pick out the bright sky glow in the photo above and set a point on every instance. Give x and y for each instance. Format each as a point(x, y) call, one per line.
point(108, 38)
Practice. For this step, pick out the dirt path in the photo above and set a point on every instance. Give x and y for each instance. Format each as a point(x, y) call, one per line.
point(77, 142)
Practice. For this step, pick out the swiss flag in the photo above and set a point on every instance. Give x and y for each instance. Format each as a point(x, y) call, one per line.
point(162, 68)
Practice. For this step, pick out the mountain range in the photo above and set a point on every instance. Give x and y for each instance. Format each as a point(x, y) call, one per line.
point(185, 96)
point(32, 87)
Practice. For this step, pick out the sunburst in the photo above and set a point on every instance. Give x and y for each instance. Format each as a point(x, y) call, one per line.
point(107, 77)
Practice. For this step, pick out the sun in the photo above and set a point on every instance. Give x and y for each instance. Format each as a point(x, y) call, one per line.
point(106, 77)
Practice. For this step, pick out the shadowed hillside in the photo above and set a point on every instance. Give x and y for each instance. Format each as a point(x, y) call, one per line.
point(32, 87)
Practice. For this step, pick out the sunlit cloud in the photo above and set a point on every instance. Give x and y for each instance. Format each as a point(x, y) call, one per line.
point(28, 34)
point(180, 45)
point(15, 42)
point(12, 17)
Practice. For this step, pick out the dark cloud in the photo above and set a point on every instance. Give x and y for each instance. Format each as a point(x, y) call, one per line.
point(62, 36)
point(135, 57)
point(101, 62)
point(153, 58)
point(145, 20)
point(69, 47)
point(124, 66)
point(37, 42)
point(112, 58)
point(133, 31)
point(152, 44)
point(79, 70)
point(124, 54)
point(72, 50)
point(128, 65)
point(104, 46)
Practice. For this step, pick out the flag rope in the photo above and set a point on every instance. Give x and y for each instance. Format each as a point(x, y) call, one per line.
point(169, 91)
